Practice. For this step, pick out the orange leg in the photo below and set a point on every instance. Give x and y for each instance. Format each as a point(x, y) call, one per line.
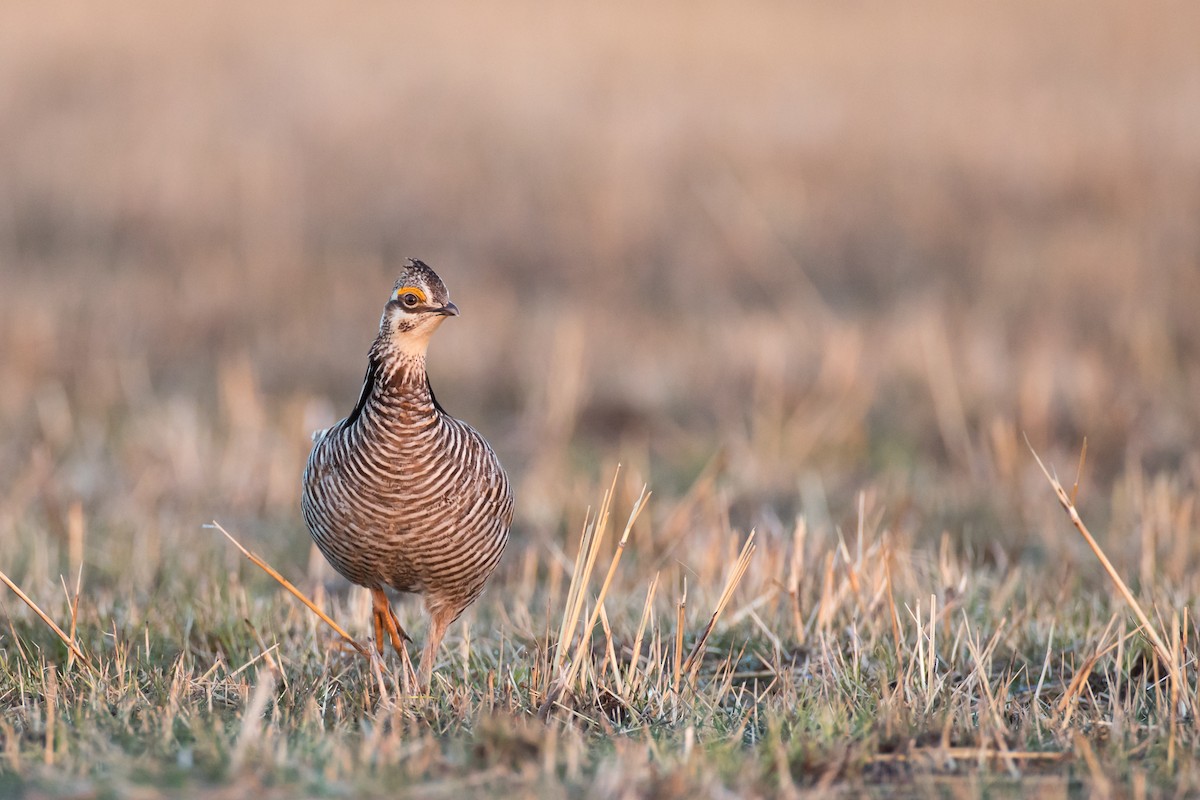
point(385, 620)
point(378, 629)
point(439, 620)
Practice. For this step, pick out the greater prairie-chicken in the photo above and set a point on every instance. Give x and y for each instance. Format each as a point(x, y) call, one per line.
point(399, 493)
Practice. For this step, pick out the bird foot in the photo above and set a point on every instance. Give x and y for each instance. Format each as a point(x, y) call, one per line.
point(387, 622)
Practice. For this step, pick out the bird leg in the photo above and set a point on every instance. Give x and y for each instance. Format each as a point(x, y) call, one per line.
point(386, 620)
point(439, 620)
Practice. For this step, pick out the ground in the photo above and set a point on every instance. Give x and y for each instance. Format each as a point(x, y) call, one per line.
point(819, 278)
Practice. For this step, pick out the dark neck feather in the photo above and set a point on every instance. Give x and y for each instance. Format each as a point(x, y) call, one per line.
point(387, 372)
point(368, 385)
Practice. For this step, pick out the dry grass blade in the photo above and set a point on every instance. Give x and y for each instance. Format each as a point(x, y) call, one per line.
point(893, 615)
point(74, 603)
point(299, 595)
point(585, 562)
point(51, 691)
point(680, 618)
point(586, 636)
point(67, 640)
point(647, 610)
point(1160, 647)
point(251, 727)
point(1066, 704)
point(612, 570)
point(1100, 785)
point(735, 577)
point(1079, 471)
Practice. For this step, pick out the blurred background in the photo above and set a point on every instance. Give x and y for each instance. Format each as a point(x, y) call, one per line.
point(804, 250)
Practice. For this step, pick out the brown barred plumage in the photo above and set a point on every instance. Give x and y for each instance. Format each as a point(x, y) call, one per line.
point(400, 493)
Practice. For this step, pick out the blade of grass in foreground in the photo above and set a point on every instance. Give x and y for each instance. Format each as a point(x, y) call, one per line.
point(735, 577)
point(299, 595)
point(1160, 647)
point(567, 677)
point(67, 640)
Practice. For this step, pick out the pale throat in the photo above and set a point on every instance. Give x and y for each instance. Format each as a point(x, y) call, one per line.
point(411, 345)
point(404, 351)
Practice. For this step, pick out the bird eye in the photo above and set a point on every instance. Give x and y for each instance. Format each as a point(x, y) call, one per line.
point(409, 299)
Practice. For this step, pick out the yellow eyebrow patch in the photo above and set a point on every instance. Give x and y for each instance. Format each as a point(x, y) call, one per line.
point(403, 290)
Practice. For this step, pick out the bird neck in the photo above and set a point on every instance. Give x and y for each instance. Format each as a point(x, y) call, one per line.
point(405, 374)
point(400, 372)
point(396, 375)
point(398, 363)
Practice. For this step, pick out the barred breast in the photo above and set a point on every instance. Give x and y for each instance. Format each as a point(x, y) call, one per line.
point(402, 494)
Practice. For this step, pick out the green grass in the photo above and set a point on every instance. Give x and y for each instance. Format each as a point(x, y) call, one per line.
point(230, 681)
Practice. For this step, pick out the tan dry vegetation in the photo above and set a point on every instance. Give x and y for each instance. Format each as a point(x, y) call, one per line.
point(811, 270)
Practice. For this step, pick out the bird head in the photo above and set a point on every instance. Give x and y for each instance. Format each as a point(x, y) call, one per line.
point(418, 305)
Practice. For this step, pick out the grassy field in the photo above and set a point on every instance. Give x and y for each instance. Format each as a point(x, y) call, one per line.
point(811, 271)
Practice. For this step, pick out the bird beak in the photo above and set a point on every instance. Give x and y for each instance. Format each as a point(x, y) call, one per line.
point(449, 310)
